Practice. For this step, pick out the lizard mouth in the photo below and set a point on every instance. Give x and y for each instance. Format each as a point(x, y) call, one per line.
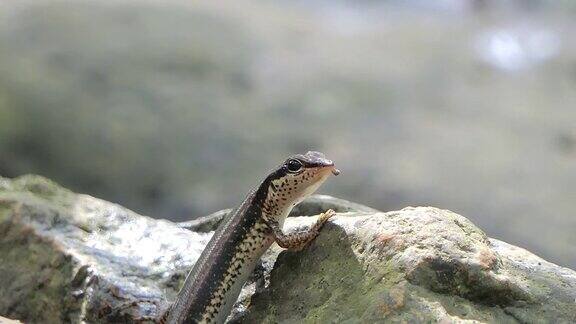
point(335, 171)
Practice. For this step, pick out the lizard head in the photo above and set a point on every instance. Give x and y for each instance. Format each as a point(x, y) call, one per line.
point(297, 178)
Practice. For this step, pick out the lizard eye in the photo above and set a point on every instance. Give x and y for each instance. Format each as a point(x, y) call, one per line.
point(294, 165)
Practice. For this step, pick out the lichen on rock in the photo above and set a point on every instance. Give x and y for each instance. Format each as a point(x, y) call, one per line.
point(67, 257)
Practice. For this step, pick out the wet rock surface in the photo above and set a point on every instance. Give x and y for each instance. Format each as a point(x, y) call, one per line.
point(67, 257)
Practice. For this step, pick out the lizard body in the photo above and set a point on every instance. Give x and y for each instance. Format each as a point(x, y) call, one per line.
point(213, 285)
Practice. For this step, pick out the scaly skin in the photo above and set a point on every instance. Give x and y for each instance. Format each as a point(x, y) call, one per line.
point(212, 287)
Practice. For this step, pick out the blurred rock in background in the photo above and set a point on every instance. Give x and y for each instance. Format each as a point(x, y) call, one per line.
point(177, 109)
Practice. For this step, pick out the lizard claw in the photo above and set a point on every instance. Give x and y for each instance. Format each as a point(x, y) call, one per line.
point(326, 215)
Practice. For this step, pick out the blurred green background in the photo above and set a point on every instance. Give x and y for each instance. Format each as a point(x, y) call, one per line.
point(176, 109)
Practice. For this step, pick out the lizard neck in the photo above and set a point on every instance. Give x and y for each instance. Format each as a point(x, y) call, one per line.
point(273, 202)
point(277, 197)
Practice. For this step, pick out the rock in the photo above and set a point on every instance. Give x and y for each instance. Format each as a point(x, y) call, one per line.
point(72, 258)
point(206, 223)
point(414, 265)
point(4, 320)
point(68, 257)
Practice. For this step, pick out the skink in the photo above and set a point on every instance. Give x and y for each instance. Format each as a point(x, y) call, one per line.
point(213, 285)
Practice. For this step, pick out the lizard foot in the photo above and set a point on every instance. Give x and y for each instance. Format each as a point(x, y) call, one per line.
point(298, 241)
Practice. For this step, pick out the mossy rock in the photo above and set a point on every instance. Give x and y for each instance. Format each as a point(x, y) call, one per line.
point(70, 257)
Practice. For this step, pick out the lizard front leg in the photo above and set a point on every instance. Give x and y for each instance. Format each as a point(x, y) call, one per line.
point(297, 241)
